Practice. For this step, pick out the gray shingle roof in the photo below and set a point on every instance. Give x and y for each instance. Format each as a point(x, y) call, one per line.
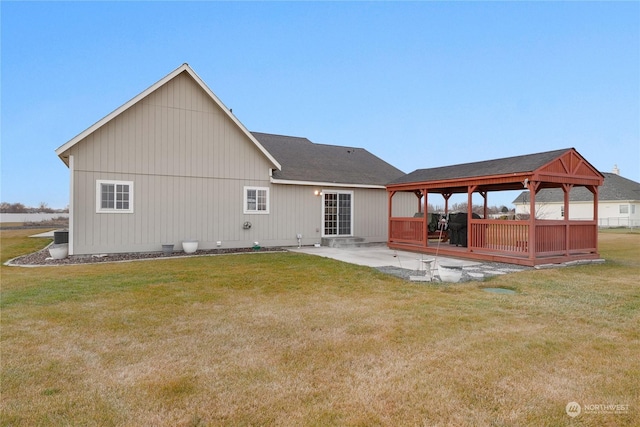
point(614, 188)
point(508, 165)
point(303, 160)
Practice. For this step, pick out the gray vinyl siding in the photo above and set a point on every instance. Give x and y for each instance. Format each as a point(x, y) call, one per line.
point(167, 209)
point(172, 209)
point(370, 214)
point(175, 131)
point(405, 204)
point(189, 163)
point(296, 209)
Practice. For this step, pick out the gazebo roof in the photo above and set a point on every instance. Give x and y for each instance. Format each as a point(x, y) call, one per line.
point(551, 169)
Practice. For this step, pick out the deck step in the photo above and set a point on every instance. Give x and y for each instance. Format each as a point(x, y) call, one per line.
point(344, 242)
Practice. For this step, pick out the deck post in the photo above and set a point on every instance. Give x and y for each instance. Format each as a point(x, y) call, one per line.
point(484, 211)
point(446, 202)
point(390, 194)
point(425, 223)
point(594, 190)
point(470, 190)
point(566, 188)
point(533, 186)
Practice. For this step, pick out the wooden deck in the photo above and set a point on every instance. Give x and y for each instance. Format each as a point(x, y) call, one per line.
point(505, 241)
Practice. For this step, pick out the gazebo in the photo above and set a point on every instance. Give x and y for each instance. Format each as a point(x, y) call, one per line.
point(529, 241)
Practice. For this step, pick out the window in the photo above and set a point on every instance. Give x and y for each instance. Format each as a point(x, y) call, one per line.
point(256, 200)
point(114, 196)
point(562, 211)
point(633, 209)
point(624, 209)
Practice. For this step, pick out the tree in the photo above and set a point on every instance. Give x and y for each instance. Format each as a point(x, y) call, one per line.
point(44, 208)
point(12, 207)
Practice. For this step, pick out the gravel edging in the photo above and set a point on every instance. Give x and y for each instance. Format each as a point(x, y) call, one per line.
point(42, 258)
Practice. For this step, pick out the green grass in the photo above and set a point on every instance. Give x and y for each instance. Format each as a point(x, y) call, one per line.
point(15, 243)
point(290, 339)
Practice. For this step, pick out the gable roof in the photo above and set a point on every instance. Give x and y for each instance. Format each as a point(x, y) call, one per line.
point(548, 169)
point(303, 162)
point(508, 165)
point(184, 68)
point(614, 188)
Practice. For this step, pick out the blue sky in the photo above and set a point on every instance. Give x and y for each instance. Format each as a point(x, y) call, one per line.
point(419, 84)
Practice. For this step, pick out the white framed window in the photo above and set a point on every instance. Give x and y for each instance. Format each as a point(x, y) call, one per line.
point(114, 196)
point(624, 209)
point(256, 200)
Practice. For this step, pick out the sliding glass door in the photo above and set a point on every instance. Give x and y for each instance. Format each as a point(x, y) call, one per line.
point(337, 215)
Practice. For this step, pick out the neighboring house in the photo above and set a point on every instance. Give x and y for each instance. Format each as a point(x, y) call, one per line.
point(618, 203)
point(175, 164)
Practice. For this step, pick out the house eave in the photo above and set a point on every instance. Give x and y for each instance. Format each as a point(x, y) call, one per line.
point(514, 179)
point(325, 184)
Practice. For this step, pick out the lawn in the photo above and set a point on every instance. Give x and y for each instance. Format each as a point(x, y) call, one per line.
point(291, 339)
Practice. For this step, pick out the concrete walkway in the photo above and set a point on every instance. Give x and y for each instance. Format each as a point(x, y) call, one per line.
point(47, 234)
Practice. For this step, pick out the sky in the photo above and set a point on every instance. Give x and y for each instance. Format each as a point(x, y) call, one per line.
point(419, 84)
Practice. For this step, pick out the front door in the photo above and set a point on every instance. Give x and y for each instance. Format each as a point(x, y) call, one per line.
point(337, 218)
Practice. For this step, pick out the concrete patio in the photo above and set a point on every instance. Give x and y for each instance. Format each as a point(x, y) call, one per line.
point(380, 256)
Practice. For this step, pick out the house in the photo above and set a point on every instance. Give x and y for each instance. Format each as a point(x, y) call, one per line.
point(525, 242)
point(618, 202)
point(175, 164)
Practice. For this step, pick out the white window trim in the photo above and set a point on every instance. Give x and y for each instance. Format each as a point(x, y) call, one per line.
point(100, 209)
point(244, 201)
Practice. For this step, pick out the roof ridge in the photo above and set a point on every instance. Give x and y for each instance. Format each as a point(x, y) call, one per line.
point(561, 150)
point(314, 143)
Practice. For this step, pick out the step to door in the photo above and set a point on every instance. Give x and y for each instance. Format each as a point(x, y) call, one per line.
point(343, 242)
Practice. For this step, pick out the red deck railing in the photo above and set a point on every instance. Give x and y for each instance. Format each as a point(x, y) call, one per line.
point(500, 236)
point(407, 230)
point(510, 238)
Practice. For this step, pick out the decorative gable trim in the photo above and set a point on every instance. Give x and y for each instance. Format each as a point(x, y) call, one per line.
point(183, 68)
point(567, 168)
